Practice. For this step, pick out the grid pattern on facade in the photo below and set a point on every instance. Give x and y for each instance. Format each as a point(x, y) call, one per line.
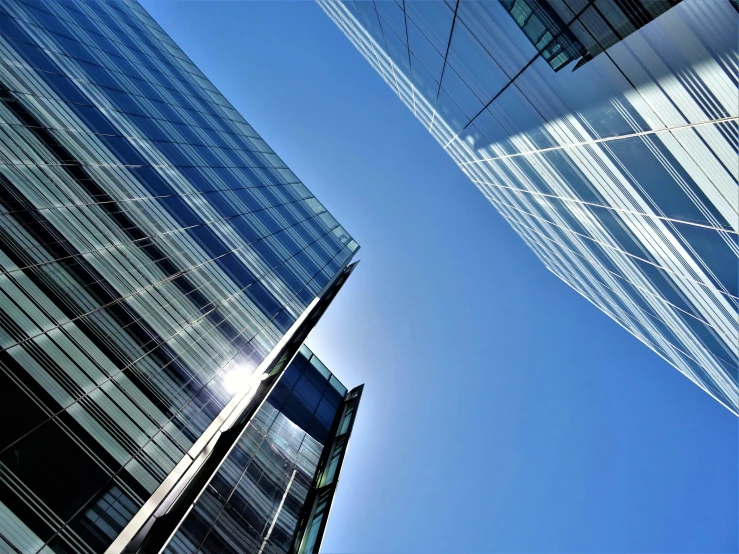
point(255, 499)
point(565, 31)
point(152, 246)
point(621, 176)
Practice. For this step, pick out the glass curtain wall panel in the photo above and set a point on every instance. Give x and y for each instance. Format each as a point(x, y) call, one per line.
point(619, 169)
point(264, 490)
point(315, 512)
point(564, 30)
point(153, 248)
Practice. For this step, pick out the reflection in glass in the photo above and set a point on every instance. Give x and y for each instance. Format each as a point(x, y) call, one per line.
point(262, 496)
point(605, 133)
point(153, 250)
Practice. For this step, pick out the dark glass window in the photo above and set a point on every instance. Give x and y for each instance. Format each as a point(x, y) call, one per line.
point(75, 477)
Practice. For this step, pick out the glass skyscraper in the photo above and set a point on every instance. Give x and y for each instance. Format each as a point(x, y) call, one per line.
point(159, 268)
point(605, 132)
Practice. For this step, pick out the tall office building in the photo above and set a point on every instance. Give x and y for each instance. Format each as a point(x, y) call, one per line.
point(619, 170)
point(159, 268)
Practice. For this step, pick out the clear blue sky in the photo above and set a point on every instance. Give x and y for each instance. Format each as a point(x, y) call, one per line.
point(502, 412)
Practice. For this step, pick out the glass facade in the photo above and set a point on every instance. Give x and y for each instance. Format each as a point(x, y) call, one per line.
point(565, 31)
point(260, 499)
point(619, 170)
point(154, 253)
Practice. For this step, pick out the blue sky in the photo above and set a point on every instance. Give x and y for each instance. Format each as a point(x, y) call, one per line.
point(502, 412)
